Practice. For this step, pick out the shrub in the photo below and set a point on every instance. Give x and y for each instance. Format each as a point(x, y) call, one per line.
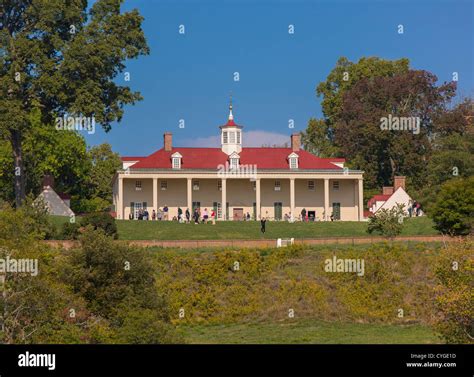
point(453, 211)
point(455, 296)
point(89, 205)
point(101, 220)
point(388, 222)
point(70, 231)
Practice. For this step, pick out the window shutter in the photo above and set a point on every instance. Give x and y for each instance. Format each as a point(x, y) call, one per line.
point(144, 205)
point(132, 209)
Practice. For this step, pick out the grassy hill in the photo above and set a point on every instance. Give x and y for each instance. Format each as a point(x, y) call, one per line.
point(169, 230)
point(222, 304)
point(309, 332)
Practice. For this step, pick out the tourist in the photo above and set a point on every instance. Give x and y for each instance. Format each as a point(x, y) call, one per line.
point(213, 217)
point(146, 215)
point(159, 215)
point(248, 216)
point(196, 216)
point(180, 212)
point(262, 225)
point(303, 214)
point(153, 215)
point(188, 215)
point(165, 212)
point(332, 216)
point(205, 216)
point(130, 217)
point(418, 208)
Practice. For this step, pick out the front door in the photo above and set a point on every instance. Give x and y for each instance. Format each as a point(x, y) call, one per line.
point(138, 207)
point(336, 211)
point(238, 214)
point(278, 206)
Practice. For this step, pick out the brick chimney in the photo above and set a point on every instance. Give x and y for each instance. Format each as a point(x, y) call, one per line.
point(398, 181)
point(168, 141)
point(295, 142)
point(387, 190)
point(48, 180)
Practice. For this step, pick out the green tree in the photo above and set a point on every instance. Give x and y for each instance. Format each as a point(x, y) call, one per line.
point(63, 58)
point(346, 73)
point(388, 222)
point(452, 158)
point(453, 211)
point(318, 139)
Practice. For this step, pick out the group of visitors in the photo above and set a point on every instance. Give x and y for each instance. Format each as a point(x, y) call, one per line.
point(202, 217)
point(414, 208)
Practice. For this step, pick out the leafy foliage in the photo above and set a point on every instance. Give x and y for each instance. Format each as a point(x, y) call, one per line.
point(453, 212)
point(101, 220)
point(63, 58)
point(455, 294)
point(388, 222)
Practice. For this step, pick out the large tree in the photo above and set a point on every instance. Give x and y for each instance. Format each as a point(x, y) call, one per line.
point(63, 58)
point(384, 153)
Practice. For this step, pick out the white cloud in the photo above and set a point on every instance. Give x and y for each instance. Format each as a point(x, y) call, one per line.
point(250, 139)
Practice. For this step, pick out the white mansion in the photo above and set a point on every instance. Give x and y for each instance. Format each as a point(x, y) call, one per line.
point(235, 180)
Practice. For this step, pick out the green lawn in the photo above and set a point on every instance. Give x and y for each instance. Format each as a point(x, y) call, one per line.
point(169, 230)
point(308, 331)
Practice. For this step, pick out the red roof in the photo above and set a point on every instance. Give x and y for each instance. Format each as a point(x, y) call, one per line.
point(231, 122)
point(131, 158)
point(378, 198)
point(210, 158)
point(367, 213)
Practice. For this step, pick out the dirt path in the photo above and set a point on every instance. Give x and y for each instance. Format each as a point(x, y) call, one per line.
point(189, 244)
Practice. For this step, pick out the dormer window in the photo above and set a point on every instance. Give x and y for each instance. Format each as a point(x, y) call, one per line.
point(176, 160)
point(234, 161)
point(293, 161)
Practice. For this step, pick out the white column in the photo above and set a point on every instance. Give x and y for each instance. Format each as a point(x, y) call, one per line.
point(257, 199)
point(326, 200)
point(292, 198)
point(189, 195)
point(361, 199)
point(120, 199)
point(224, 199)
point(155, 194)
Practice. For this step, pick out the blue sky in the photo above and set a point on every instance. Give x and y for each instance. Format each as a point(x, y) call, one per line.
point(190, 76)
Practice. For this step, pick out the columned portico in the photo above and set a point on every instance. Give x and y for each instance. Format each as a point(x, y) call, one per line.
point(120, 198)
point(155, 194)
point(224, 199)
point(326, 199)
point(257, 199)
point(189, 193)
point(292, 198)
